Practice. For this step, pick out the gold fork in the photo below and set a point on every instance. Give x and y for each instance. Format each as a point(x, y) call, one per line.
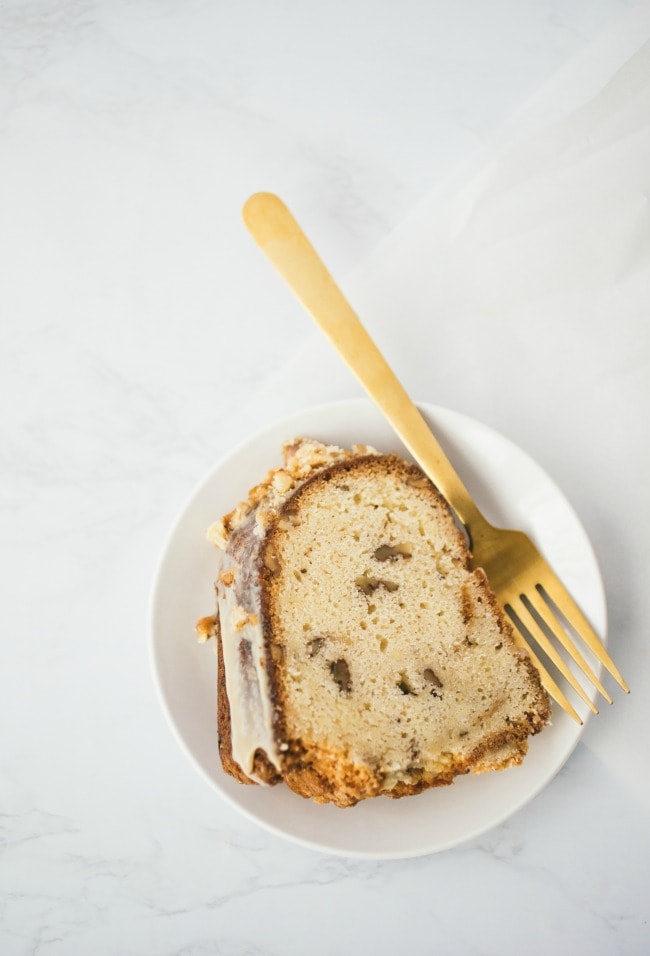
point(518, 574)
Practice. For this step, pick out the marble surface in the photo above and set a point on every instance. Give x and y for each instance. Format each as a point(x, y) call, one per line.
point(138, 324)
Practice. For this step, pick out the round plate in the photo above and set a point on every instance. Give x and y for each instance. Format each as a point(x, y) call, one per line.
point(510, 489)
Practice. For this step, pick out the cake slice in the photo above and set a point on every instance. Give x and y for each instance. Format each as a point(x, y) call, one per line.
point(359, 652)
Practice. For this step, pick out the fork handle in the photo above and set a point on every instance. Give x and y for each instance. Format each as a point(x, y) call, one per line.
point(284, 243)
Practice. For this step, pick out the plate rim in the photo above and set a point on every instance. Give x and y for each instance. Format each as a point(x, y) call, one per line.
point(163, 556)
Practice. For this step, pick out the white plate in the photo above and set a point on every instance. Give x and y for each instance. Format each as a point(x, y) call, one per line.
point(511, 490)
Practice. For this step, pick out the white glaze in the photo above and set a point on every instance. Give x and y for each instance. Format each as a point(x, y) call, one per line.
point(251, 712)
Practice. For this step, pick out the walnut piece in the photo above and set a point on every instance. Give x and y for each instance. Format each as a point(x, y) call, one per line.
point(271, 561)
point(418, 481)
point(241, 618)
point(217, 534)
point(315, 645)
point(430, 675)
point(404, 684)
point(282, 480)
point(206, 628)
point(391, 552)
point(369, 585)
point(341, 675)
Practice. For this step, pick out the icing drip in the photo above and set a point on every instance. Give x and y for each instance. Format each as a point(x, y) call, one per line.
point(251, 718)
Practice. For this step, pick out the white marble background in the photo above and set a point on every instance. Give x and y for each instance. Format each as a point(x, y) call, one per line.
point(135, 322)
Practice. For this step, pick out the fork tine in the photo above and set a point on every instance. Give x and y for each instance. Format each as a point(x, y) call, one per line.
point(543, 611)
point(528, 621)
point(560, 596)
point(547, 681)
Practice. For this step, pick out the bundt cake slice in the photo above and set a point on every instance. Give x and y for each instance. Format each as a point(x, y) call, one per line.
point(359, 652)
